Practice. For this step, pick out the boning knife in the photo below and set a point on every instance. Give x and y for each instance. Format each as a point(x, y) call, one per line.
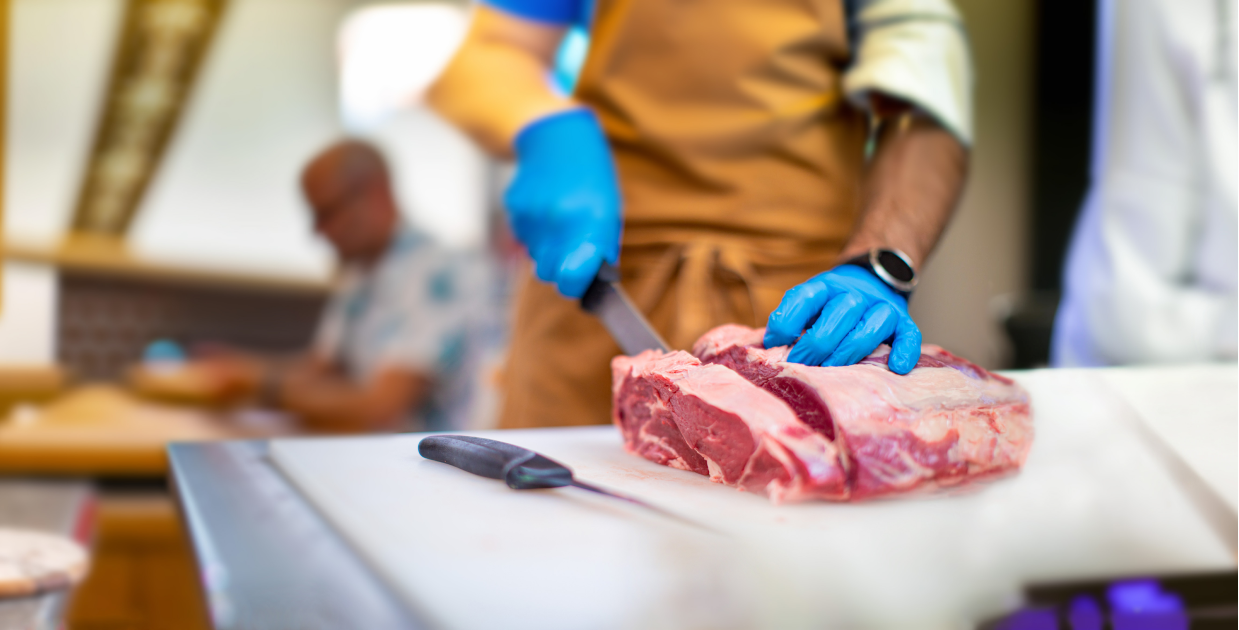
point(606, 299)
point(520, 468)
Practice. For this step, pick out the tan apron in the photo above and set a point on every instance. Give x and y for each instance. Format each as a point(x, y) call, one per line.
point(740, 165)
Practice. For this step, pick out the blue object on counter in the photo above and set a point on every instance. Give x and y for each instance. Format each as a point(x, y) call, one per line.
point(164, 351)
point(1171, 602)
point(1031, 619)
point(1085, 613)
point(1142, 596)
point(1143, 605)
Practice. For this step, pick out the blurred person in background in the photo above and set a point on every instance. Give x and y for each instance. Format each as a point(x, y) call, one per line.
point(721, 146)
point(398, 344)
point(1151, 271)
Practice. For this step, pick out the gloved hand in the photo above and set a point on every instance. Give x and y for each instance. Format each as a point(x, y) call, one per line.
point(851, 312)
point(564, 203)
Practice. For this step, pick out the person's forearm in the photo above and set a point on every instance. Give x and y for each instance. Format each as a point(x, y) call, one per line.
point(497, 82)
point(911, 188)
point(333, 407)
point(325, 402)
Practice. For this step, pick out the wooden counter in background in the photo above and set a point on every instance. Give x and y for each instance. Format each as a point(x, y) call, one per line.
point(101, 431)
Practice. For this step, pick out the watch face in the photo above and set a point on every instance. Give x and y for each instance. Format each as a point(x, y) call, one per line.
point(895, 265)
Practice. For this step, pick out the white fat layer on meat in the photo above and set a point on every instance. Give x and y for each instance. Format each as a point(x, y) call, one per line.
point(665, 446)
point(911, 473)
point(934, 427)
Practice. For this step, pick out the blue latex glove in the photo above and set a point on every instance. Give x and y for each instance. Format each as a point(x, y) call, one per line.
point(848, 312)
point(564, 203)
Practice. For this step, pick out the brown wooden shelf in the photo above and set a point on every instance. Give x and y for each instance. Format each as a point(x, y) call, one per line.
point(109, 256)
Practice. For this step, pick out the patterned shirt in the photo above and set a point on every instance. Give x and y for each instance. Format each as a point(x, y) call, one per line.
point(423, 307)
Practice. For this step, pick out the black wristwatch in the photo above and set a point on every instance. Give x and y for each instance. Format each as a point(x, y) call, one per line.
point(890, 266)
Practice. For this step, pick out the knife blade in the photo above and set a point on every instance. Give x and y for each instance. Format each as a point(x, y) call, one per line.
point(606, 299)
point(520, 468)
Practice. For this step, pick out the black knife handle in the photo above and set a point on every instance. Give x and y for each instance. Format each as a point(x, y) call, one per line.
point(607, 274)
point(519, 467)
point(486, 458)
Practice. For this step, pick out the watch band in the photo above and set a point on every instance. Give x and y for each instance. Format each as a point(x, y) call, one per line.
point(891, 266)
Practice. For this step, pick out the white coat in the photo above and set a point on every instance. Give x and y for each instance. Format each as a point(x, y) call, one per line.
point(1151, 271)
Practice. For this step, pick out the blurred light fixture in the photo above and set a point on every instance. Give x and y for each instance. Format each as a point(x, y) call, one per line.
point(390, 54)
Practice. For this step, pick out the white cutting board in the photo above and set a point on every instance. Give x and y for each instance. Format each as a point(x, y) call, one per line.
point(1195, 410)
point(466, 552)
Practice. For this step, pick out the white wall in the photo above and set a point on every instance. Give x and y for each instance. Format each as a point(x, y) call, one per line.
point(984, 253)
point(28, 315)
point(390, 53)
point(226, 195)
point(59, 56)
point(441, 176)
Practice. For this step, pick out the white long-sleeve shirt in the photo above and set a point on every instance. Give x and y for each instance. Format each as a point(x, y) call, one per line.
point(1151, 272)
point(916, 50)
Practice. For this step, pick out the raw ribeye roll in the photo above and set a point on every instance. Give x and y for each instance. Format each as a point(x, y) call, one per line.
point(945, 423)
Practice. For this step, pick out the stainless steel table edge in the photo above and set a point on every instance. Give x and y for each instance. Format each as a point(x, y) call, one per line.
point(266, 559)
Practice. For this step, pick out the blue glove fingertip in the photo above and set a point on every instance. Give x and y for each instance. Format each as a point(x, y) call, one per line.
point(803, 354)
point(877, 325)
point(770, 339)
point(836, 360)
point(853, 350)
point(544, 273)
point(578, 270)
point(900, 364)
point(906, 349)
point(797, 311)
point(775, 337)
point(545, 261)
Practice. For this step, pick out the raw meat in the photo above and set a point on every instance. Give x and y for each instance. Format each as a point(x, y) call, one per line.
point(708, 419)
point(945, 423)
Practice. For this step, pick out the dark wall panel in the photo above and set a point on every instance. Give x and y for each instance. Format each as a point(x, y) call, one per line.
point(104, 324)
point(1066, 32)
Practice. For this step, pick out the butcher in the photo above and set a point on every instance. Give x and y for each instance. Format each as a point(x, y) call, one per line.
point(786, 163)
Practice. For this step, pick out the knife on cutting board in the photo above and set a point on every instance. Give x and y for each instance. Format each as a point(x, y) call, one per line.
point(606, 299)
point(520, 468)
